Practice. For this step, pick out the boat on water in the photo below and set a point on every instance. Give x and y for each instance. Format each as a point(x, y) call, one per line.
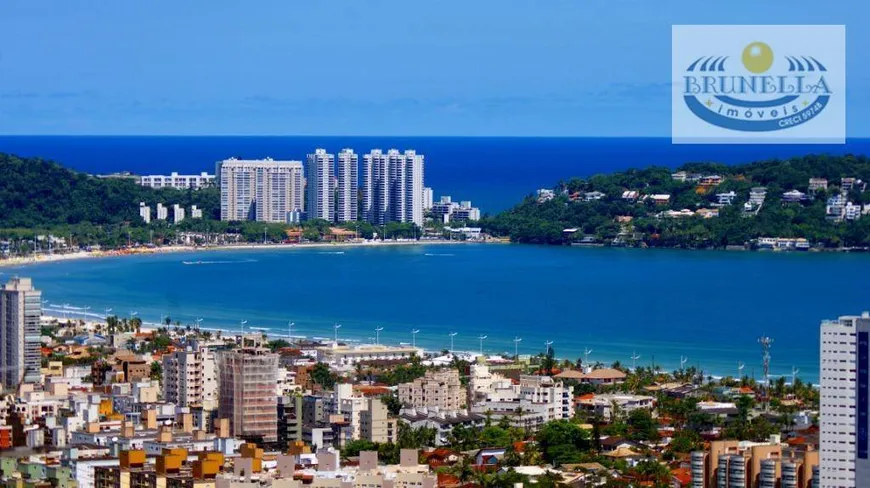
point(191, 262)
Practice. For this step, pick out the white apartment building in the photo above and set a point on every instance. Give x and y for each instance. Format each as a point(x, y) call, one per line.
point(262, 189)
point(183, 378)
point(319, 176)
point(175, 180)
point(441, 389)
point(162, 212)
point(177, 213)
point(20, 310)
point(530, 404)
point(446, 210)
point(844, 406)
point(393, 187)
point(145, 212)
point(428, 199)
point(342, 401)
point(195, 213)
point(347, 203)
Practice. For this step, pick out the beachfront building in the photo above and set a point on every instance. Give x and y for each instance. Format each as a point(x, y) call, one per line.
point(443, 421)
point(440, 389)
point(347, 172)
point(183, 378)
point(263, 189)
point(342, 356)
point(162, 212)
point(145, 212)
point(845, 407)
point(393, 187)
point(247, 392)
point(319, 175)
point(446, 210)
point(195, 213)
point(20, 310)
point(175, 180)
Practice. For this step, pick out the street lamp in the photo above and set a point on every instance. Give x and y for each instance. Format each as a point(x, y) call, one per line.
point(290, 331)
point(452, 335)
point(517, 341)
point(335, 328)
point(481, 338)
point(414, 337)
point(378, 335)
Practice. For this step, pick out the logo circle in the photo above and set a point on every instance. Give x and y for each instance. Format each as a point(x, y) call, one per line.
point(757, 57)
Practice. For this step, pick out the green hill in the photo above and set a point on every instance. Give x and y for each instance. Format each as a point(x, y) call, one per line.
point(35, 193)
point(645, 223)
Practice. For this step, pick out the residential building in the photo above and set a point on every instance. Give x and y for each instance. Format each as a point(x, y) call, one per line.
point(816, 184)
point(183, 378)
point(145, 212)
point(393, 187)
point(175, 180)
point(345, 356)
point(347, 204)
point(597, 377)
point(852, 211)
point(592, 196)
point(630, 195)
point(836, 208)
point(529, 404)
point(845, 401)
point(376, 424)
point(661, 199)
point(247, 392)
point(443, 421)
point(20, 310)
point(733, 463)
point(428, 199)
point(195, 213)
point(289, 419)
point(756, 199)
point(603, 405)
point(162, 212)
point(726, 198)
point(319, 175)
point(440, 388)
point(446, 210)
point(793, 196)
point(177, 213)
point(264, 190)
point(545, 195)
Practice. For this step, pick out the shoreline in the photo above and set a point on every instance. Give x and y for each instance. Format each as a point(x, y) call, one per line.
point(144, 251)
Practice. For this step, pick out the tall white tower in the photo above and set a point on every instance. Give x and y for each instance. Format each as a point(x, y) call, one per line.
point(843, 416)
point(348, 186)
point(319, 174)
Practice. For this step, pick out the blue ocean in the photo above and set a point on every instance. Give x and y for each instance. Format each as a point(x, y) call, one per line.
point(709, 306)
point(662, 304)
point(493, 172)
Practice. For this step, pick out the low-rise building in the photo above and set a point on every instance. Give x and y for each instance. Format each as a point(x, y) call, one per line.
point(604, 406)
point(443, 421)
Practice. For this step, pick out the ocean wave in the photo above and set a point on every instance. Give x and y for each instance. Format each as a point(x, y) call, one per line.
point(439, 254)
point(239, 261)
point(331, 252)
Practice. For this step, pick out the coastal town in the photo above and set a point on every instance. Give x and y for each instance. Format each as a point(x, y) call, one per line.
point(112, 402)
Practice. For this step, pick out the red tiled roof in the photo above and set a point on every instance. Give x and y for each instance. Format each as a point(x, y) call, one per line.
point(683, 475)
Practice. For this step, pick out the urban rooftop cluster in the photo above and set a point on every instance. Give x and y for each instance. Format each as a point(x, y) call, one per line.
point(110, 402)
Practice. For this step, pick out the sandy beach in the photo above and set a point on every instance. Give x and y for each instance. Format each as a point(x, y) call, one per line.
point(139, 251)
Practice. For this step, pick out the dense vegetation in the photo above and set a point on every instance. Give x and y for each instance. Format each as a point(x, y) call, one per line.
point(544, 222)
point(39, 193)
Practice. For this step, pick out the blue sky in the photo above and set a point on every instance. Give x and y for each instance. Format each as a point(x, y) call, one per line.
point(373, 67)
